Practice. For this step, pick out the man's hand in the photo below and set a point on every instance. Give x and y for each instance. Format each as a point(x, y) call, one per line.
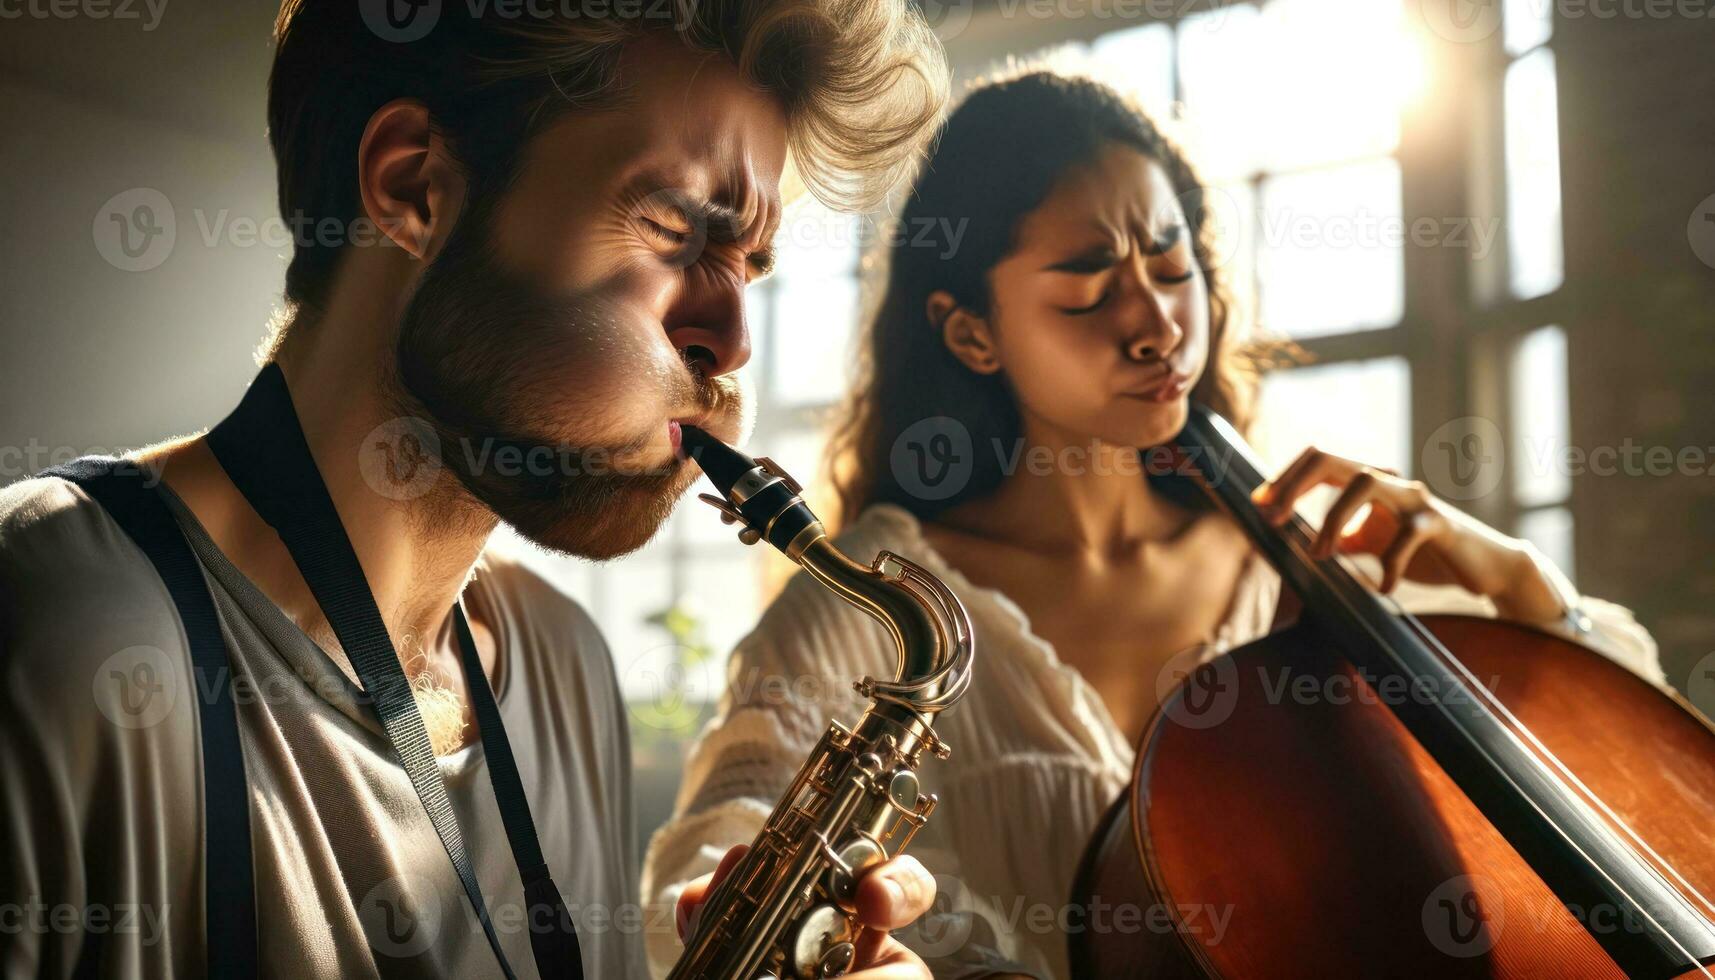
point(890, 896)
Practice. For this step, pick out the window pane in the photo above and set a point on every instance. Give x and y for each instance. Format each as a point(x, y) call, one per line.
point(1231, 212)
point(1332, 256)
point(1550, 530)
point(1338, 72)
point(1218, 65)
point(814, 319)
point(1539, 417)
point(1526, 24)
point(1139, 61)
point(815, 303)
point(1357, 409)
point(1533, 176)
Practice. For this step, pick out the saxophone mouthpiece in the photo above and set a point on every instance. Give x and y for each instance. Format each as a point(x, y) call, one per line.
point(721, 463)
point(755, 493)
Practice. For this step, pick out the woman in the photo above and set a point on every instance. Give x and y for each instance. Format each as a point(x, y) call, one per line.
point(993, 437)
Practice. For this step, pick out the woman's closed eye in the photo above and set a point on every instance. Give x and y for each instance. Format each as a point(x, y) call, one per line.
point(1093, 307)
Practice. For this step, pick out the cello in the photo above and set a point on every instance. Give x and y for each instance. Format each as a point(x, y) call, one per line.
point(1371, 793)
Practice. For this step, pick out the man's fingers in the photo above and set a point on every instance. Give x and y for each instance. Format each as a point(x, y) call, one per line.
point(691, 899)
point(894, 893)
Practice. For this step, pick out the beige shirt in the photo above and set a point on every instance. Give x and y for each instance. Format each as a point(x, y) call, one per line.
point(1036, 759)
point(101, 846)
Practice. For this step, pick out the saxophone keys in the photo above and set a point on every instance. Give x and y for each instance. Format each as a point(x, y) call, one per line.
point(858, 854)
point(822, 945)
point(902, 789)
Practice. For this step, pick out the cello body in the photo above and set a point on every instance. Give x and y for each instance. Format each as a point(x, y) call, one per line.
point(1282, 822)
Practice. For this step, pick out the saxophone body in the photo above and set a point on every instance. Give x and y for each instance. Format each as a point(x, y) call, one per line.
point(787, 910)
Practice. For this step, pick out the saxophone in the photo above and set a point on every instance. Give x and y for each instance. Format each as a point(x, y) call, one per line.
point(787, 909)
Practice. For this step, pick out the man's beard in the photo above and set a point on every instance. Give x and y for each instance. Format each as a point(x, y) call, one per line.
point(476, 355)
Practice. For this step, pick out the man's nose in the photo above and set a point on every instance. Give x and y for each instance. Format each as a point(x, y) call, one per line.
point(707, 326)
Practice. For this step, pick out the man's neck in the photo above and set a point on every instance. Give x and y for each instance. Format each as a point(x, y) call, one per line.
point(417, 553)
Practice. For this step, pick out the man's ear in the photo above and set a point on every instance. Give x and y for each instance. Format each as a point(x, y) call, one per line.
point(966, 334)
point(406, 176)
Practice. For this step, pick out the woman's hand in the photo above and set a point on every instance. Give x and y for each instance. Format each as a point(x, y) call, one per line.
point(1416, 535)
point(890, 896)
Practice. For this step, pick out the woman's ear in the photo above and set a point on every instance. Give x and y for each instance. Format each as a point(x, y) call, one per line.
point(967, 335)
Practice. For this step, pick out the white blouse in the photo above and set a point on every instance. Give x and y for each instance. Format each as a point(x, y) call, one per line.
point(1036, 759)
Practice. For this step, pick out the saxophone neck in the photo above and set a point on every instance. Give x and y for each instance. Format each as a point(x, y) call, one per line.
point(929, 627)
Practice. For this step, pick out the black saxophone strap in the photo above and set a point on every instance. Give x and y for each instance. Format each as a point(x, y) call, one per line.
point(120, 488)
point(262, 448)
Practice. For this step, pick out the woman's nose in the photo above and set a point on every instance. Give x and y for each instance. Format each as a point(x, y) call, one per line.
point(1154, 333)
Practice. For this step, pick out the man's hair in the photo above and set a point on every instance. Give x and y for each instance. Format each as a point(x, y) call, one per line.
point(862, 83)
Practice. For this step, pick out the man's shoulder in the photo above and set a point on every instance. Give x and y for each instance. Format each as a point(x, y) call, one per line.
point(78, 600)
point(55, 539)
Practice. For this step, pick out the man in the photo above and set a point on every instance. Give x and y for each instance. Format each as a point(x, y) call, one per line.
point(543, 226)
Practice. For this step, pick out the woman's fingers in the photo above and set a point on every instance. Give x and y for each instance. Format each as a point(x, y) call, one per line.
point(1413, 533)
point(692, 898)
point(1362, 490)
point(1311, 469)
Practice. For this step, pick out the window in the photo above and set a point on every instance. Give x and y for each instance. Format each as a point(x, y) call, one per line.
point(1517, 298)
point(1311, 195)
